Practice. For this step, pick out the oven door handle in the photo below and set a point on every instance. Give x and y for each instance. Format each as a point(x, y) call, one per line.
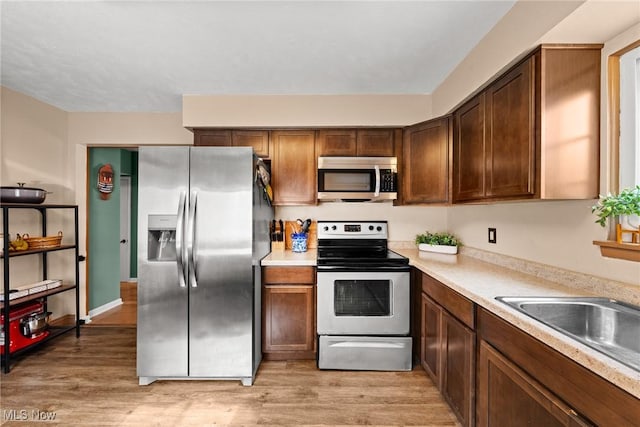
point(377, 189)
point(367, 344)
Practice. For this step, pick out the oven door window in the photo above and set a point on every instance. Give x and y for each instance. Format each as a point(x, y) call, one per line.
point(362, 297)
point(345, 180)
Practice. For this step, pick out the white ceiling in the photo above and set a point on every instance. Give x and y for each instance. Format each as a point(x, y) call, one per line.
point(124, 56)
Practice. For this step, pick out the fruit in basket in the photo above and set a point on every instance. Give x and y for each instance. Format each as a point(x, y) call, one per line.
point(19, 244)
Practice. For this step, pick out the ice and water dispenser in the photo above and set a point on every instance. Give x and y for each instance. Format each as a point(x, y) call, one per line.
point(162, 237)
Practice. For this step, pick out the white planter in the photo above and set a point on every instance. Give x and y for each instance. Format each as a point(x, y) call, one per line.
point(629, 222)
point(441, 249)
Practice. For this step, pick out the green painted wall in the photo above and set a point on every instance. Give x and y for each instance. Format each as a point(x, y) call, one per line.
point(104, 231)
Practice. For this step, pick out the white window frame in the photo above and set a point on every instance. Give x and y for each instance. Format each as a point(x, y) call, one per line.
point(629, 142)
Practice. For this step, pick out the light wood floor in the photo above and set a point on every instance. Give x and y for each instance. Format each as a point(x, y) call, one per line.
point(92, 381)
point(123, 315)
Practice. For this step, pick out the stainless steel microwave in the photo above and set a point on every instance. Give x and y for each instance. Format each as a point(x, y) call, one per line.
point(357, 178)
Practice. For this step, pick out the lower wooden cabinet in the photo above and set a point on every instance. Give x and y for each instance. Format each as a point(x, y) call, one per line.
point(458, 367)
point(448, 356)
point(492, 373)
point(430, 338)
point(507, 396)
point(288, 313)
point(448, 349)
point(522, 381)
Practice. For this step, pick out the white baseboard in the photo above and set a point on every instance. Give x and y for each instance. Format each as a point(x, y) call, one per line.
point(106, 307)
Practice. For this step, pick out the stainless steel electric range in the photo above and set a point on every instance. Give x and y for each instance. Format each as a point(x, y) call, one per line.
point(363, 298)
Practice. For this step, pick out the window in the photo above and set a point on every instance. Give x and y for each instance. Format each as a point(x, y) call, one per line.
point(629, 143)
point(624, 134)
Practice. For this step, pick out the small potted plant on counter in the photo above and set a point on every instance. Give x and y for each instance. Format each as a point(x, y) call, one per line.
point(444, 243)
point(623, 207)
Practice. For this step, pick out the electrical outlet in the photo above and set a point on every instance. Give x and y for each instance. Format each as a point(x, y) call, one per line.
point(492, 235)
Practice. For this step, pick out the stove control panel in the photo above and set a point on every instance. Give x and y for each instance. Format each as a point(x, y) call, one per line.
point(352, 229)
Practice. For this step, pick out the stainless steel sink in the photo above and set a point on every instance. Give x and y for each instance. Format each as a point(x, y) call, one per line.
point(606, 325)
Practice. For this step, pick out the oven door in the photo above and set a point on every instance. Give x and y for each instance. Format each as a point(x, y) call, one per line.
point(363, 303)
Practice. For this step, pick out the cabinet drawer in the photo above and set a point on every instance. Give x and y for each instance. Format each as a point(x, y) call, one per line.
point(450, 300)
point(286, 275)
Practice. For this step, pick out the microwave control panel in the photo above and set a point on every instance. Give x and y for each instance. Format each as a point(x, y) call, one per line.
point(387, 181)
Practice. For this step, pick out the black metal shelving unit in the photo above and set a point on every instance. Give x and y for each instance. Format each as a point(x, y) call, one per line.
point(6, 256)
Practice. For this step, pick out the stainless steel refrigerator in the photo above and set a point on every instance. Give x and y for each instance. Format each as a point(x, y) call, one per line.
point(203, 229)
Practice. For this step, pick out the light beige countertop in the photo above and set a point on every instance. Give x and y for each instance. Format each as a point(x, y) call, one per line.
point(289, 258)
point(482, 276)
point(482, 281)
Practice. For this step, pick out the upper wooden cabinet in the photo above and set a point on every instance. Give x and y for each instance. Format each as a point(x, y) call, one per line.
point(510, 143)
point(425, 162)
point(293, 167)
point(258, 139)
point(374, 142)
point(494, 139)
point(356, 142)
point(336, 142)
point(534, 132)
point(469, 150)
point(212, 137)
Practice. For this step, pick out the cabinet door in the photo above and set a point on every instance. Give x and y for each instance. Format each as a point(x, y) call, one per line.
point(425, 156)
point(430, 339)
point(375, 143)
point(258, 139)
point(293, 167)
point(510, 158)
point(458, 361)
point(336, 142)
point(507, 396)
point(215, 138)
point(469, 151)
point(288, 318)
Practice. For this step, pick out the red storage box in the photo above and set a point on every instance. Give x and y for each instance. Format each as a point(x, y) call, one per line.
point(17, 340)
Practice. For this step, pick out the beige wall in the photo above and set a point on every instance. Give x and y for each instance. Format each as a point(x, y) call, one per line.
point(34, 146)
point(517, 33)
point(34, 150)
point(305, 110)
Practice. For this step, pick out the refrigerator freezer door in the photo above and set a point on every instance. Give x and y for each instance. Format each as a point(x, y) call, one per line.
point(221, 305)
point(162, 337)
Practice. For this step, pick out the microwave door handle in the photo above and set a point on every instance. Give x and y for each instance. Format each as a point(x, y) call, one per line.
point(377, 190)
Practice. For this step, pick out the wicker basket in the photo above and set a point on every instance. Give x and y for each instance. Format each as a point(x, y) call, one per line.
point(43, 242)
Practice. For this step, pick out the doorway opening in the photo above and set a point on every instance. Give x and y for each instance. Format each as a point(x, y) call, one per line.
point(112, 239)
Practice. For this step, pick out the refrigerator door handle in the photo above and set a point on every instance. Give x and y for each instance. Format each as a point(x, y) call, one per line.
point(182, 207)
point(192, 239)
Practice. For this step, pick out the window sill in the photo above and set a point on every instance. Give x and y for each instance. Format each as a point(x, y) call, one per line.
point(613, 249)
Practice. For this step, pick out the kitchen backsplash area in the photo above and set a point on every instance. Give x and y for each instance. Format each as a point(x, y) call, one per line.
point(557, 234)
point(404, 222)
